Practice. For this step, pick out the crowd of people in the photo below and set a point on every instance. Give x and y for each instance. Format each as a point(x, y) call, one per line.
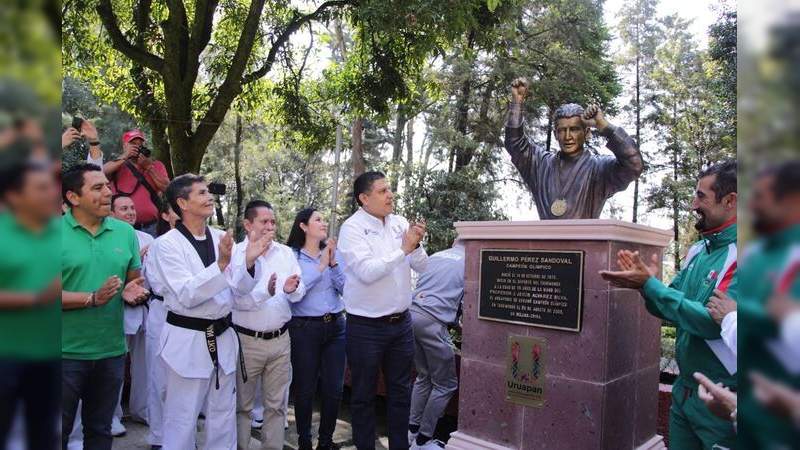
point(216, 329)
point(222, 331)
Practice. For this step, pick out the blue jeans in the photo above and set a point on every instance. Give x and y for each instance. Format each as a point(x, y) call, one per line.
point(388, 347)
point(33, 384)
point(97, 383)
point(318, 355)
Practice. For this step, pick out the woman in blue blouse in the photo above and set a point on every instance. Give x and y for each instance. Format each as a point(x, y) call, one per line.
point(317, 328)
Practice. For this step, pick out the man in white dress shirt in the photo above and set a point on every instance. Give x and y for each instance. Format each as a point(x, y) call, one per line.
point(379, 250)
point(135, 318)
point(198, 346)
point(260, 318)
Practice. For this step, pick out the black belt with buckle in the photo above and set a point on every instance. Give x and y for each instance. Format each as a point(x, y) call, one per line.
point(327, 317)
point(261, 334)
point(391, 318)
point(212, 328)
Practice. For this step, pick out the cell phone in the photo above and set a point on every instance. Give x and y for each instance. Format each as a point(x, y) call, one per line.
point(77, 122)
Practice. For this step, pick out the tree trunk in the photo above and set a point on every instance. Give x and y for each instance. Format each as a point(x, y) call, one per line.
point(638, 108)
point(676, 211)
point(237, 173)
point(357, 158)
point(462, 158)
point(409, 153)
point(397, 147)
point(549, 127)
point(675, 206)
point(186, 155)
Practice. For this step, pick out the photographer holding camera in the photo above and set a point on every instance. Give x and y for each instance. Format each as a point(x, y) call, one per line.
point(136, 174)
point(84, 133)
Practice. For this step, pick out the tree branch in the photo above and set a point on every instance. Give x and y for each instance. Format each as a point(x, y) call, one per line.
point(232, 85)
point(201, 28)
point(297, 21)
point(176, 40)
point(121, 44)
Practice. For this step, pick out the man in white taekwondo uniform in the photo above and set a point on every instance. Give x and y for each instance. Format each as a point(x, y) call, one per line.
point(122, 208)
point(260, 318)
point(198, 345)
point(379, 250)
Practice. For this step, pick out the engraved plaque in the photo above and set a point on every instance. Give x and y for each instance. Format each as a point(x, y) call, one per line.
point(532, 287)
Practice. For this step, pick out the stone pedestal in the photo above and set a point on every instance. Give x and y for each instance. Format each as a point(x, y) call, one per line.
point(601, 383)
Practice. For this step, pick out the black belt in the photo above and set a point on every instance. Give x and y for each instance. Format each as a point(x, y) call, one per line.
point(157, 297)
point(391, 318)
point(261, 334)
point(327, 317)
point(212, 328)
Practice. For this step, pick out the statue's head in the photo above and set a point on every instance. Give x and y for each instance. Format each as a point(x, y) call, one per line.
point(570, 129)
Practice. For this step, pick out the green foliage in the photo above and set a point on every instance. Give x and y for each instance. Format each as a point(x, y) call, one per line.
point(686, 113)
point(444, 198)
point(29, 47)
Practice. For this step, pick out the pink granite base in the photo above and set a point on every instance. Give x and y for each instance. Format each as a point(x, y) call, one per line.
point(601, 390)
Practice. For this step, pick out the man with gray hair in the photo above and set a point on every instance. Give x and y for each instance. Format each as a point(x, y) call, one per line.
point(573, 183)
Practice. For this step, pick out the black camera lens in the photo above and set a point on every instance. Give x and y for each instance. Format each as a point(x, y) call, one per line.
point(144, 151)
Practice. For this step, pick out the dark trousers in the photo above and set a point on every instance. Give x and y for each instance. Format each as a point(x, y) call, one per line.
point(389, 347)
point(34, 386)
point(318, 355)
point(97, 384)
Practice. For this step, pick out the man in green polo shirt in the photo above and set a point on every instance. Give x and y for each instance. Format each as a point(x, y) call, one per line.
point(30, 287)
point(99, 254)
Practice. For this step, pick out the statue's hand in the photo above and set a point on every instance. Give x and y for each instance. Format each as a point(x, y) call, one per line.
point(519, 90)
point(593, 117)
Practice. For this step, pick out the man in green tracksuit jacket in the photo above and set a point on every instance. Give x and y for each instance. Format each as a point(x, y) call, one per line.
point(709, 267)
point(770, 276)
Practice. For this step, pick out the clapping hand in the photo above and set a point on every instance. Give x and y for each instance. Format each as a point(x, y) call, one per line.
point(413, 236)
point(134, 292)
point(256, 247)
point(719, 305)
point(225, 249)
point(291, 284)
point(328, 255)
point(107, 291)
point(634, 272)
point(271, 284)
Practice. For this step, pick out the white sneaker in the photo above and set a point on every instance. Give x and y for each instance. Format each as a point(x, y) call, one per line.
point(412, 437)
point(433, 444)
point(117, 428)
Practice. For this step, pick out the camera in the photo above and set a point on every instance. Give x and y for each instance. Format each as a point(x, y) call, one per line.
point(216, 188)
point(144, 151)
